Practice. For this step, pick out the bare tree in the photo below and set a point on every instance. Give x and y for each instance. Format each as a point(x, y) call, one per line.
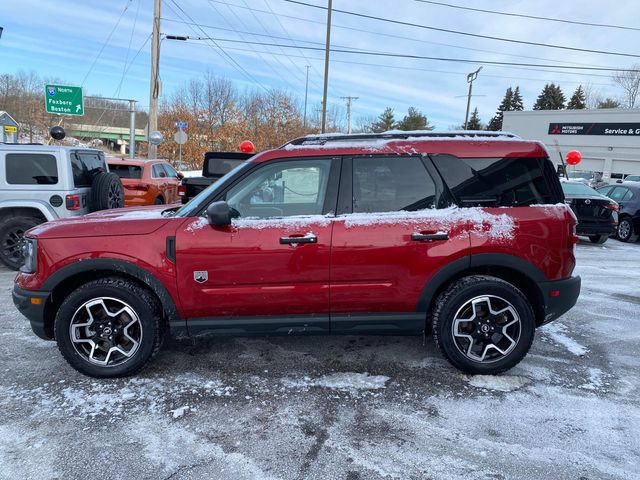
point(629, 81)
point(592, 96)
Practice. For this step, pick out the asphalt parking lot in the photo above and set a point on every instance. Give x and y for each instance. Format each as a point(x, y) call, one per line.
point(339, 407)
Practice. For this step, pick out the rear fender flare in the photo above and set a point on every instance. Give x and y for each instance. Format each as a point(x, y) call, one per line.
point(42, 207)
point(483, 260)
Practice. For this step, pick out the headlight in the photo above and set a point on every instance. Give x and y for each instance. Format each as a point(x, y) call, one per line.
point(30, 254)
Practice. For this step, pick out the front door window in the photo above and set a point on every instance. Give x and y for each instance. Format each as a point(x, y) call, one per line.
point(282, 189)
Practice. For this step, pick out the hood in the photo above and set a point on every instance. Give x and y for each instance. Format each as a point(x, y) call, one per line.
point(121, 221)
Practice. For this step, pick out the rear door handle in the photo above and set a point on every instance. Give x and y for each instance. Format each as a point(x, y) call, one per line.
point(300, 239)
point(428, 237)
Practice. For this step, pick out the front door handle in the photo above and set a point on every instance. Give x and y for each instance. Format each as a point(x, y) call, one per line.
point(300, 239)
point(429, 237)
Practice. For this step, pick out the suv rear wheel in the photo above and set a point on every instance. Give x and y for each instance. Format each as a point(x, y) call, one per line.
point(109, 328)
point(483, 325)
point(11, 232)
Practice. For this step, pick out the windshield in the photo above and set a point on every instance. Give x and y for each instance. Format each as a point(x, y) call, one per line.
point(632, 178)
point(194, 204)
point(578, 189)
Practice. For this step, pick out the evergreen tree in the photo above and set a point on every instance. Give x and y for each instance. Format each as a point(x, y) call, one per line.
point(609, 103)
point(474, 121)
point(495, 123)
point(578, 100)
point(386, 121)
point(516, 101)
point(414, 120)
point(551, 98)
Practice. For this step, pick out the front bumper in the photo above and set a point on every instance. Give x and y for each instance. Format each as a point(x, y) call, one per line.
point(32, 304)
point(559, 297)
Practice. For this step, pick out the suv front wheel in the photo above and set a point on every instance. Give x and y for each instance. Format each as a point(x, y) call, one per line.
point(109, 327)
point(483, 325)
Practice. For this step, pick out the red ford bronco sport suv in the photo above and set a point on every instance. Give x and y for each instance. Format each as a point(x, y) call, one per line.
point(464, 235)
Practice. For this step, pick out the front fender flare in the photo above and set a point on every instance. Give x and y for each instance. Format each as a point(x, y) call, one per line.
point(128, 268)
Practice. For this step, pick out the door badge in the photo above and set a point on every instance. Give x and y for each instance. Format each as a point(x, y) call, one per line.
point(201, 276)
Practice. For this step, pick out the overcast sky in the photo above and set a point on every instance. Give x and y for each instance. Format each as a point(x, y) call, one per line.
point(63, 39)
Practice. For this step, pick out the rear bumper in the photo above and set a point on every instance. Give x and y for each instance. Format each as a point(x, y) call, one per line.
point(22, 299)
point(559, 297)
point(604, 228)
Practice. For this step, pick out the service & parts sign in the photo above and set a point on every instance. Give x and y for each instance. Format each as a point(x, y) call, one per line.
point(608, 129)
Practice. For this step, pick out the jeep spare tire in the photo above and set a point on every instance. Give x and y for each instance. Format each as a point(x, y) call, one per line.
point(106, 192)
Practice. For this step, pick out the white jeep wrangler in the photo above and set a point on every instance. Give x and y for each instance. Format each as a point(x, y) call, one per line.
point(39, 183)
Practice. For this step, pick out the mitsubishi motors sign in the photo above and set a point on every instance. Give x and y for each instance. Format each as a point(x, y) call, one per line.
point(606, 129)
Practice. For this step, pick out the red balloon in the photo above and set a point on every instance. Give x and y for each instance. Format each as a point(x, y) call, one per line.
point(247, 147)
point(574, 157)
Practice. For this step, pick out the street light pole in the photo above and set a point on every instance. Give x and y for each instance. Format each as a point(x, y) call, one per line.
point(326, 68)
point(306, 91)
point(132, 129)
point(470, 78)
point(349, 101)
point(154, 89)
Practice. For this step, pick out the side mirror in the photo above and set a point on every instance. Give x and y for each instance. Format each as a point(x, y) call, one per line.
point(618, 181)
point(179, 175)
point(219, 214)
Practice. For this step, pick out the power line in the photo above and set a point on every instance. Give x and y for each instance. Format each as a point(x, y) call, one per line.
point(277, 72)
point(400, 67)
point(126, 7)
point(533, 17)
point(468, 34)
point(274, 15)
point(390, 35)
point(419, 57)
point(220, 50)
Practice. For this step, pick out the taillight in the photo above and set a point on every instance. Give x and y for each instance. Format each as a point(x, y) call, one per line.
point(613, 206)
point(138, 186)
point(73, 202)
point(182, 190)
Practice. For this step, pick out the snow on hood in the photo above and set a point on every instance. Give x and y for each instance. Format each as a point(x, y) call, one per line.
point(121, 221)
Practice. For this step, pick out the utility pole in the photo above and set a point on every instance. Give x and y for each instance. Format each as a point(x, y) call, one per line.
point(326, 68)
point(154, 88)
point(470, 78)
point(132, 129)
point(349, 100)
point(306, 91)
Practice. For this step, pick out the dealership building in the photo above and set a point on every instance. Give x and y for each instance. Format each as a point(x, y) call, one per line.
point(609, 139)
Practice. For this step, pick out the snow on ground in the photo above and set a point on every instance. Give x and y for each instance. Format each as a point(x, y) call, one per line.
point(357, 407)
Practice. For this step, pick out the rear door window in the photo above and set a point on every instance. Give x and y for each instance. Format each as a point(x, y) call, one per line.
point(391, 184)
point(126, 171)
point(618, 193)
point(158, 172)
point(85, 166)
point(31, 169)
point(503, 182)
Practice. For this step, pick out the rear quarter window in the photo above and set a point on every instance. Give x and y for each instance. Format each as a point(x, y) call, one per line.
point(501, 182)
point(31, 169)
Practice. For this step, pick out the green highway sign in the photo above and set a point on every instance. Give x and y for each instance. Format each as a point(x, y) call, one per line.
point(63, 100)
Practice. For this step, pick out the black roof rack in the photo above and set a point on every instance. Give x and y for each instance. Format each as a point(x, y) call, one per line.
point(15, 143)
point(322, 139)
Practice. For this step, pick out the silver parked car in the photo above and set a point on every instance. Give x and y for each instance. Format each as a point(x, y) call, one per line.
point(39, 183)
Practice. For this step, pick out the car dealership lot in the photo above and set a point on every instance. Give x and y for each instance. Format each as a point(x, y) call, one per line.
point(339, 407)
